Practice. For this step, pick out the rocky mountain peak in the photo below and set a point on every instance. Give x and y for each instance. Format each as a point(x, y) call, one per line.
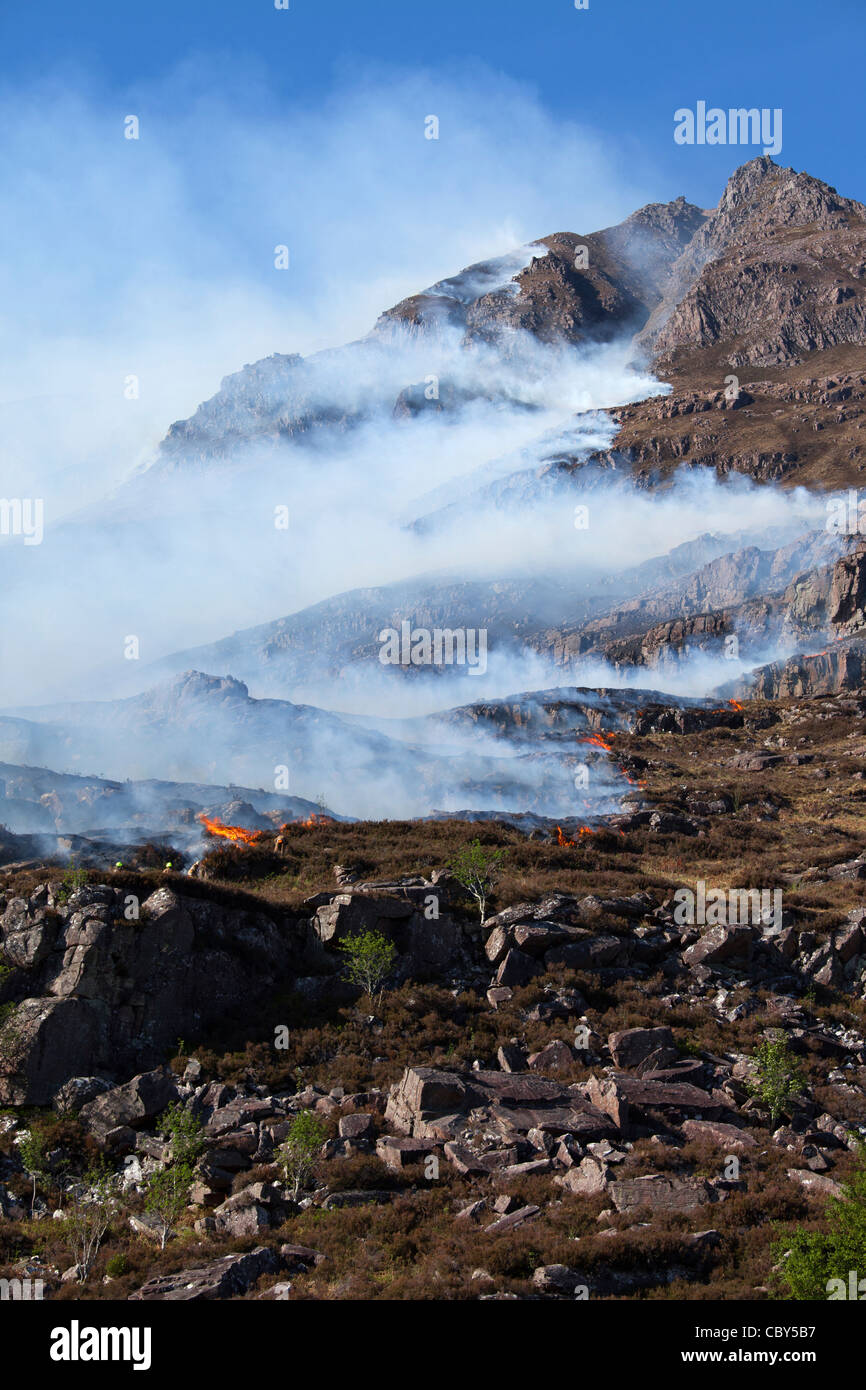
point(198, 685)
point(762, 191)
point(670, 225)
point(774, 273)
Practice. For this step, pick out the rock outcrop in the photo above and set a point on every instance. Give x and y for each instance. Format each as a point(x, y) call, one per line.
point(768, 295)
point(107, 991)
point(228, 1277)
point(847, 598)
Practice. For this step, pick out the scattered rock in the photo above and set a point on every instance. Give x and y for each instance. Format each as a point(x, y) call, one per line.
point(228, 1277)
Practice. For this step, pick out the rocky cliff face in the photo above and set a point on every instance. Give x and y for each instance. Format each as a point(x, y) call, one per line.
point(847, 599)
point(109, 983)
point(759, 597)
point(829, 672)
point(841, 664)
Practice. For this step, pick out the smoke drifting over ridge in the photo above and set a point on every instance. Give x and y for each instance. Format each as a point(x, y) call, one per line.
point(189, 551)
point(450, 470)
point(156, 256)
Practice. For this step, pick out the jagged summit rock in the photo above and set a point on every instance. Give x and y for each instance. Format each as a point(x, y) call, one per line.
point(776, 271)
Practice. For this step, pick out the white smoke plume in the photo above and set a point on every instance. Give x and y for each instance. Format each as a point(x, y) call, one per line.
point(164, 275)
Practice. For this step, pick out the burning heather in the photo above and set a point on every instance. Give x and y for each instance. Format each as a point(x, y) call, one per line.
point(235, 834)
point(564, 842)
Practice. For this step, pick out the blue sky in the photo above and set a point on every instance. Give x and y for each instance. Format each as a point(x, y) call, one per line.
point(621, 67)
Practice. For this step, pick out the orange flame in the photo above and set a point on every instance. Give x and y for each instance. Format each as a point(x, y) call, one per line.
point(235, 833)
point(563, 841)
point(598, 742)
point(736, 704)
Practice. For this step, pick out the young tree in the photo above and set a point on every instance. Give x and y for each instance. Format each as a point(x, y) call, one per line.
point(73, 880)
point(168, 1196)
point(185, 1133)
point(818, 1264)
point(369, 960)
point(31, 1147)
point(777, 1077)
point(477, 870)
point(168, 1190)
point(90, 1214)
point(297, 1155)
